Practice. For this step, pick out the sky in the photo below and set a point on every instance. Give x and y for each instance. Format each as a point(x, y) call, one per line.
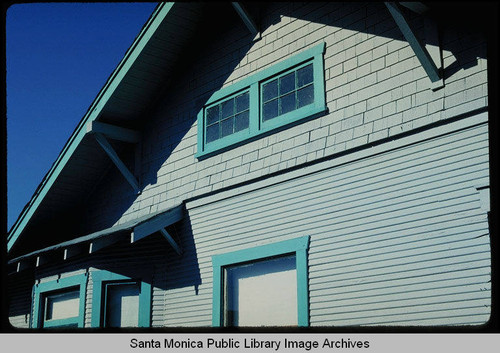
point(58, 57)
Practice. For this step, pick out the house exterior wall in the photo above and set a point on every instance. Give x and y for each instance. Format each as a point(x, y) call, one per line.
point(385, 184)
point(396, 238)
point(375, 89)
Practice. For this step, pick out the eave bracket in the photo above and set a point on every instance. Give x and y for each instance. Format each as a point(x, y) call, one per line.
point(247, 19)
point(106, 146)
point(426, 60)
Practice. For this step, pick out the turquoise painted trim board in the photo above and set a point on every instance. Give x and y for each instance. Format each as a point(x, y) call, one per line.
point(252, 84)
point(43, 289)
point(297, 246)
point(100, 278)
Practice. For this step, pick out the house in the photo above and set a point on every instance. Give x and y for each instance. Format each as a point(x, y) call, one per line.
point(272, 164)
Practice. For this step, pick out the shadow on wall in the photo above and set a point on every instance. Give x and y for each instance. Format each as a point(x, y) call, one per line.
point(154, 261)
point(170, 137)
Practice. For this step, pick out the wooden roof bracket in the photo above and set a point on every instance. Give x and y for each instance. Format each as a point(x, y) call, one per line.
point(428, 55)
point(101, 131)
point(247, 19)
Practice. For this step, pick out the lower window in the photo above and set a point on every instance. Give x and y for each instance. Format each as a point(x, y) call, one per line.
point(60, 303)
point(120, 301)
point(61, 306)
point(261, 293)
point(121, 304)
point(262, 286)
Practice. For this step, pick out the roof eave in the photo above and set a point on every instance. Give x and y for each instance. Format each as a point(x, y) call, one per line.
point(92, 114)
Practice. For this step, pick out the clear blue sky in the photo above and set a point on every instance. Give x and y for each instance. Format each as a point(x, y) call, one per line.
point(58, 56)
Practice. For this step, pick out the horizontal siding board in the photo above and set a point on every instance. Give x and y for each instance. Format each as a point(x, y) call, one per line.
point(421, 179)
point(396, 234)
point(432, 282)
point(302, 225)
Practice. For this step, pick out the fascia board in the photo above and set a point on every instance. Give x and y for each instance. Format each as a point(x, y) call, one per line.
point(92, 114)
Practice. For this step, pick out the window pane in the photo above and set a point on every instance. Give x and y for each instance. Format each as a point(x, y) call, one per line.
point(242, 102)
point(262, 293)
point(241, 121)
point(122, 305)
point(270, 90)
point(227, 126)
point(270, 110)
point(227, 108)
point(213, 133)
point(305, 96)
point(287, 103)
point(287, 83)
point(212, 115)
point(305, 75)
point(62, 305)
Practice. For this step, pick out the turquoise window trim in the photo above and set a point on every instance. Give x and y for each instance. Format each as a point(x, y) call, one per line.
point(252, 83)
point(42, 289)
point(99, 278)
point(297, 246)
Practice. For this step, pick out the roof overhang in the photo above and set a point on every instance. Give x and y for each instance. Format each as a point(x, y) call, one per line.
point(115, 113)
point(131, 231)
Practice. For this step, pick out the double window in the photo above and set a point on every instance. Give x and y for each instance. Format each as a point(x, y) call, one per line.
point(262, 286)
point(60, 303)
point(288, 92)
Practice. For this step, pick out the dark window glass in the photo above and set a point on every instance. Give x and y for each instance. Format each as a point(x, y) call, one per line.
point(241, 121)
point(227, 108)
point(270, 110)
point(213, 132)
point(212, 115)
point(305, 75)
point(287, 103)
point(305, 96)
point(242, 102)
point(270, 90)
point(287, 83)
point(227, 127)
point(227, 117)
point(293, 90)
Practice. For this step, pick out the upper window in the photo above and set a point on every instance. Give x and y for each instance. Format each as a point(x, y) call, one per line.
point(287, 92)
point(120, 301)
point(262, 286)
point(60, 303)
point(226, 118)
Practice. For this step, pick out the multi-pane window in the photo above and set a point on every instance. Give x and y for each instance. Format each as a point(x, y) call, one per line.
point(227, 117)
point(288, 92)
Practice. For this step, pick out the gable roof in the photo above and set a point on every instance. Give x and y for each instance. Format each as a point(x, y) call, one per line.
point(128, 92)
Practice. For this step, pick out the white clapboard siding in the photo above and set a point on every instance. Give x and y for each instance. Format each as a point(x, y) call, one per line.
point(398, 238)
